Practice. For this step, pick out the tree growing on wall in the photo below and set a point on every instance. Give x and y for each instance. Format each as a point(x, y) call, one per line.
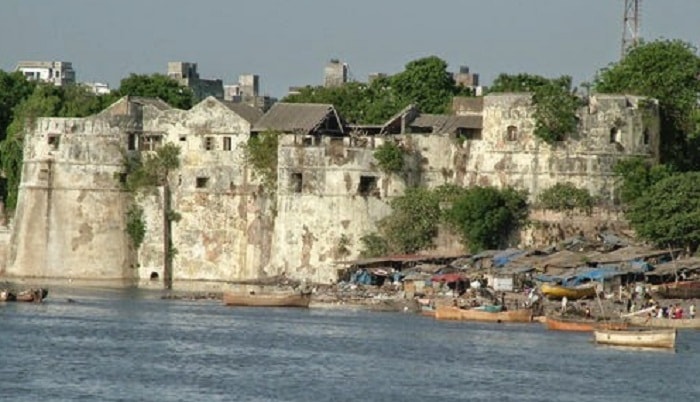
point(555, 102)
point(636, 176)
point(486, 216)
point(564, 197)
point(260, 152)
point(390, 157)
point(669, 71)
point(145, 173)
point(157, 86)
point(413, 222)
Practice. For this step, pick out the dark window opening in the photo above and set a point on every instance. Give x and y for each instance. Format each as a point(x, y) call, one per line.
point(131, 145)
point(614, 135)
point(422, 130)
point(512, 133)
point(367, 186)
point(122, 178)
point(151, 142)
point(296, 181)
point(469, 133)
point(53, 141)
point(227, 143)
point(154, 275)
point(307, 141)
point(183, 138)
point(202, 182)
point(645, 138)
point(209, 143)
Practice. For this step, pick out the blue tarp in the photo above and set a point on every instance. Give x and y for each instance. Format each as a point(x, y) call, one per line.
point(504, 257)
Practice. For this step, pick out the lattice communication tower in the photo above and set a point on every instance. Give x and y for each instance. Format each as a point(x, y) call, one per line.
point(630, 23)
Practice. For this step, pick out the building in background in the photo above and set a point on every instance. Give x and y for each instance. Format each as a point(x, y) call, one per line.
point(98, 88)
point(468, 79)
point(186, 74)
point(58, 73)
point(247, 91)
point(335, 74)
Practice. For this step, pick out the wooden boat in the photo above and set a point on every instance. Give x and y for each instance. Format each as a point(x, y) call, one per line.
point(456, 313)
point(678, 290)
point(552, 291)
point(6, 295)
point(267, 299)
point(32, 295)
point(687, 323)
point(641, 338)
point(555, 323)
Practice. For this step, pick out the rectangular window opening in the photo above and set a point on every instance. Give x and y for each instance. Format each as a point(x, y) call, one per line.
point(227, 143)
point(183, 138)
point(151, 142)
point(296, 181)
point(53, 141)
point(367, 186)
point(202, 182)
point(131, 142)
point(122, 178)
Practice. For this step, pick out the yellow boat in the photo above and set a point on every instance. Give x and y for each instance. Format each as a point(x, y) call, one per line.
point(552, 291)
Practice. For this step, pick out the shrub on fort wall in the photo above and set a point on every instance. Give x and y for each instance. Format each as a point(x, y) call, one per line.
point(390, 157)
point(563, 197)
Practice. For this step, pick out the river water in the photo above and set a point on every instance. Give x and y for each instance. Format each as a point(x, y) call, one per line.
point(128, 345)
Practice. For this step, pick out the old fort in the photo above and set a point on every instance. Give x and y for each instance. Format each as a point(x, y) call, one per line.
point(71, 213)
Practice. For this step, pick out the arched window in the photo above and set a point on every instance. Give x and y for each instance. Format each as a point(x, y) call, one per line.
point(512, 133)
point(614, 135)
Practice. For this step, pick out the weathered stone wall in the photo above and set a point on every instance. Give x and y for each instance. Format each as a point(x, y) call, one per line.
point(550, 227)
point(226, 228)
point(70, 217)
point(69, 221)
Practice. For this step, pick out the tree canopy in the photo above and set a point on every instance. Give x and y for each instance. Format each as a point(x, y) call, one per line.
point(45, 101)
point(486, 216)
point(424, 82)
point(157, 86)
point(669, 71)
point(668, 213)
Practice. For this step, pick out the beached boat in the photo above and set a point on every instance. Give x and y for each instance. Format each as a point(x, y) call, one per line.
point(641, 338)
point(456, 313)
point(32, 295)
point(641, 321)
point(557, 323)
point(267, 299)
point(552, 291)
point(678, 290)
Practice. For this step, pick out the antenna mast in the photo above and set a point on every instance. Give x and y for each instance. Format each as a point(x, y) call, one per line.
point(630, 29)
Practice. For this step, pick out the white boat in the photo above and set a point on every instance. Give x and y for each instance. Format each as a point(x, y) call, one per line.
point(641, 338)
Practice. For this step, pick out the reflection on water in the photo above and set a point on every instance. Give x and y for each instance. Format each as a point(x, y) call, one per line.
point(131, 345)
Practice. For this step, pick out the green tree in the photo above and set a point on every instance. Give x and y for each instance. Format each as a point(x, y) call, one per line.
point(424, 82)
point(373, 245)
point(566, 197)
point(45, 101)
point(427, 84)
point(14, 88)
point(157, 86)
point(486, 216)
point(390, 157)
point(636, 176)
point(261, 153)
point(413, 222)
point(668, 214)
point(667, 70)
point(147, 172)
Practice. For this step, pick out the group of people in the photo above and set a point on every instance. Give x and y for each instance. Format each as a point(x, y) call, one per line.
point(674, 311)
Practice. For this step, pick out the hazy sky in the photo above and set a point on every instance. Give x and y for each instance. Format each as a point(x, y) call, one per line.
point(288, 42)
